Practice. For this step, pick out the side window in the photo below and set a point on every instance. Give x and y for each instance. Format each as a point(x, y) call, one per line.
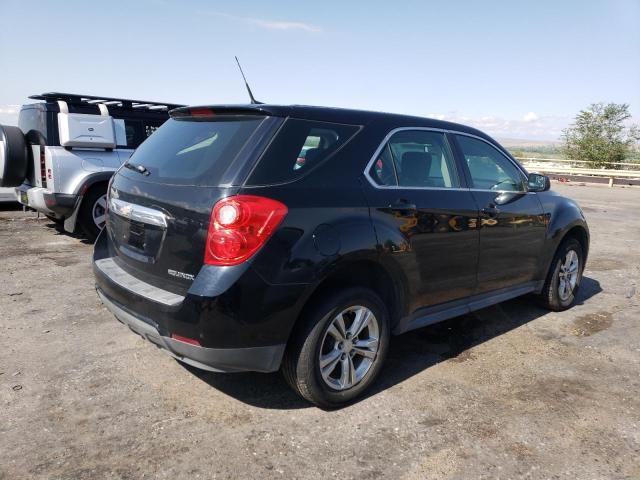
point(128, 132)
point(299, 146)
point(32, 122)
point(416, 158)
point(131, 128)
point(382, 171)
point(489, 168)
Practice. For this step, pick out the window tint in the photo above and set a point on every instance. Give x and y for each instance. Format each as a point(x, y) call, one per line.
point(489, 168)
point(131, 128)
point(193, 152)
point(298, 147)
point(32, 122)
point(421, 159)
point(131, 133)
point(128, 132)
point(382, 171)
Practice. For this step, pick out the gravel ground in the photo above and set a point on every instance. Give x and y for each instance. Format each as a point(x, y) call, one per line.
point(511, 391)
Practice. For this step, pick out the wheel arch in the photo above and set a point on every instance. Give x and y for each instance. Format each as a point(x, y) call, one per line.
point(581, 234)
point(367, 273)
point(95, 180)
point(91, 180)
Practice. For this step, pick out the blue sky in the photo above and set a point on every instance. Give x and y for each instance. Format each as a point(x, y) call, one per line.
point(512, 68)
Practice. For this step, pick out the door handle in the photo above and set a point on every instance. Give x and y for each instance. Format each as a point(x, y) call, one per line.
point(491, 211)
point(403, 207)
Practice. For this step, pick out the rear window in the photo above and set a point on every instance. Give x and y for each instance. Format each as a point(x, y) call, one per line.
point(187, 151)
point(33, 123)
point(299, 146)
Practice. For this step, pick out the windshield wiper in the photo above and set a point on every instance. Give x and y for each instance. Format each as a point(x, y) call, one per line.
point(138, 168)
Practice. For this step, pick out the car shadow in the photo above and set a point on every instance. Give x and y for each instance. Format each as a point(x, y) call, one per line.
point(408, 355)
point(58, 228)
point(10, 206)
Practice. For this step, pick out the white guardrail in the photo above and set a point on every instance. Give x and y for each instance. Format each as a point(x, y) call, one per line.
point(563, 168)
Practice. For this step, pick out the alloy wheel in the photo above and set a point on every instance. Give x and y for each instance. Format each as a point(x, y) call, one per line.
point(568, 275)
point(349, 348)
point(98, 211)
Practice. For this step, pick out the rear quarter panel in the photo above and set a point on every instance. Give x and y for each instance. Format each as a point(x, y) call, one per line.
point(73, 167)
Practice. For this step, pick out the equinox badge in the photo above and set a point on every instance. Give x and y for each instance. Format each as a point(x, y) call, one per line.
point(175, 273)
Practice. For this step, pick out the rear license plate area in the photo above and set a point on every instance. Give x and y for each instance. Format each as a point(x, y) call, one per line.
point(137, 235)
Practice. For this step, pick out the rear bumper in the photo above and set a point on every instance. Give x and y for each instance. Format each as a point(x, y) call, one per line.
point(62, 204)
point(259, 359)
point(33, 197)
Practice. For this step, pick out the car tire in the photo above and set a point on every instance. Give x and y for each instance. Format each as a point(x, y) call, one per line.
point(93, 204)
point(565, 275)
point(347, 371)
point(14, 156)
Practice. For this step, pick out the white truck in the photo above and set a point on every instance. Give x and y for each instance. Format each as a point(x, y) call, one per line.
point(66, 148)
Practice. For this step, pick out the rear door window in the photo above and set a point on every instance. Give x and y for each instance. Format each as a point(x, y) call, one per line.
point(298, 147)
point(415, 158)
point(186, 151)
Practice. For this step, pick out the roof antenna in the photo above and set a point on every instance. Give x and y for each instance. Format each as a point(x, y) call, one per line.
point(253, 100)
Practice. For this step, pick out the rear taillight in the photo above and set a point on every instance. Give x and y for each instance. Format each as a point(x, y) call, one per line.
point(43, 168)
point(239, 226)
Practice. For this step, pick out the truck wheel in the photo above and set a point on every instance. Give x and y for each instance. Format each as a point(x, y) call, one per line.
point(564, 277)
point(93, 211)
point(14, 157)
point(337, 351)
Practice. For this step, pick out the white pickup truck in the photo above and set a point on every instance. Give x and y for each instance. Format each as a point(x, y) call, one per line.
point(66, 148)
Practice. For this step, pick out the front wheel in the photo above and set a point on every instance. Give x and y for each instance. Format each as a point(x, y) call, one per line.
point(337, 351)
point(564, 277)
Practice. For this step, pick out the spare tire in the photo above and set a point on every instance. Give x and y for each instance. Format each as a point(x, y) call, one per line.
point(14, 157)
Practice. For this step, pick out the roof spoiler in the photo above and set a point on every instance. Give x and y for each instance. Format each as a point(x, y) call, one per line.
point(213, 110)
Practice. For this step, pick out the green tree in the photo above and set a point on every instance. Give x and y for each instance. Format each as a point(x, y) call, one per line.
point(601, 135)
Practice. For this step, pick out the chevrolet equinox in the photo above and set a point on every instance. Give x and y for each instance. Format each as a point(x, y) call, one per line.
point(260, 237)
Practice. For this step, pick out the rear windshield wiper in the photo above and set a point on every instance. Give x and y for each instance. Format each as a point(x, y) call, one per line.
point(138, 168)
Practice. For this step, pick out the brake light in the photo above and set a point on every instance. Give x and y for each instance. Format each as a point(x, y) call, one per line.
point(239, 226)
point(201, 112)
point(43, 168)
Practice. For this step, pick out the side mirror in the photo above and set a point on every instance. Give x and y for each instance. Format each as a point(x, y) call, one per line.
point(538, 183)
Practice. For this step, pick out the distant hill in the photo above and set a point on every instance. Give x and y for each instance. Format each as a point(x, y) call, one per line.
point(527, 144)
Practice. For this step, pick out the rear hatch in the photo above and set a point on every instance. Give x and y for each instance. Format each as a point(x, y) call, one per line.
point(161, 199)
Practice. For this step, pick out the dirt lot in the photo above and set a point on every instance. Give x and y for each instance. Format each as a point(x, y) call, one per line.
point(509, 392)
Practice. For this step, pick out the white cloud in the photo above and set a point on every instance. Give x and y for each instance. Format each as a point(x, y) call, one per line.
point(283, 25)
point(270, 24)
point(528, 128)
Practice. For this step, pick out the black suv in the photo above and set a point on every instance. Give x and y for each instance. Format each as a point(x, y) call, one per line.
point(262, 237)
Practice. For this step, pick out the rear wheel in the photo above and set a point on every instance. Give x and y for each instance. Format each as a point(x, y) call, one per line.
point(14, 157)
point(564, 277)
point(93, 211)
point(338, 350)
